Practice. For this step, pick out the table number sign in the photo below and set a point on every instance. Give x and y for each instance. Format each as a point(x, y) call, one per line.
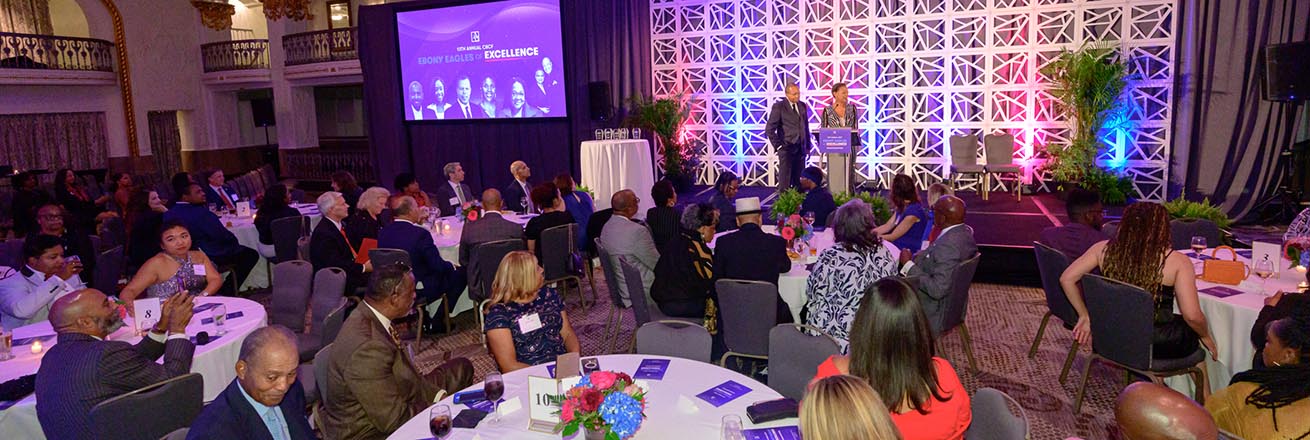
point(544, 397)
point(1272, 251)
point(146, 314)
point(243, 209)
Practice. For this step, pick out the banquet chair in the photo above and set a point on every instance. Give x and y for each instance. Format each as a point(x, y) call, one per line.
point(964, 161)
point(957, 306)
point(1111, 229)
point(292, 285)
point(748, 309)
point(297, 195)
point(382, 257)
point(561, 260)
point(671, 338)
point(287, 232)
point(328, 295)
point(150, 412)
point(179, 434)
point(1050, 264)
point(993, 419)
point(794, 355)
point(999, 151)
point(484, 259)
point(1122, 317)
point(12, 253)
point(1182, 230)
point(112, 233)
point(321, 360)
point(614, 322)
point(335, 319)
point(110, 265)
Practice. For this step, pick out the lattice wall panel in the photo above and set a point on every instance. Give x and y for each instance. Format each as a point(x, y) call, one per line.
point(919, 71)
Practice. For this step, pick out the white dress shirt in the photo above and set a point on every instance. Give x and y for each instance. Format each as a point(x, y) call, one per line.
point(417, 112)
point(905, 270)
point(26, 299)
point(459, 192)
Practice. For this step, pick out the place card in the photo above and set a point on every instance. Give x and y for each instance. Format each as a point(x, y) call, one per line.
point(724, 393)
point(1196, 256)
point(483, 405)
point(146, 314)
point(1249, 252)
point(651, 369)
point(230, 316)
point(203, 307)
point(779, 433)
point(1220, 291)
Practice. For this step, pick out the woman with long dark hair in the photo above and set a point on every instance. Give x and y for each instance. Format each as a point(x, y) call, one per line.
point(1271, 402)
point(142, 217)
point(70, 191)
point(905, 229)
point(344, 183)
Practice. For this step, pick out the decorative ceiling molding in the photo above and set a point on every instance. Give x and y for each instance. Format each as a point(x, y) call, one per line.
point(293, 9)
point(216, 15)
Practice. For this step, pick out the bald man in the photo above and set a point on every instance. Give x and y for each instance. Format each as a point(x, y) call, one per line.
point(1146, 411)
point(84, 369)
point(516, 194)
point(625, 238)
point(492, 226)
point(933, 267)
point(265, 400)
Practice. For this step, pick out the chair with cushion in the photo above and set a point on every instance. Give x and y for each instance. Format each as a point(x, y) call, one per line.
point(794, 356)
point(150, 412)
point(1182, 230)
point(1111, 229)
point(328, 294)
point(964, 161)
point(561, 259)
point(179, 434)
point(332, 324)
point(1051, 264)
point(957, 306)
point(748, 310)
point(484, 259)
point(643, 308)
point(1122, 317)
point(293, 283)
point(993, 418)
point(110, 266)
point(1000, 160)
point(613, 323)
point(287, 231)
point(112, 233)
point(321, 360)
point(675, 339)
point(12, 253)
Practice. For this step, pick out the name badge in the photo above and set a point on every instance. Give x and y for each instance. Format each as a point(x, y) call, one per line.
point(199, 269)
point(529, 323)
point(454, 201)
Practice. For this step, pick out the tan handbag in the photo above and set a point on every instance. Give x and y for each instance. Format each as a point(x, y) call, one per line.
point(1230, 271)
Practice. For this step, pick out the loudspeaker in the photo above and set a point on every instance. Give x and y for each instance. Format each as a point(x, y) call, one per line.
point(1286, 67)
point(261, 110)
point(598, 99)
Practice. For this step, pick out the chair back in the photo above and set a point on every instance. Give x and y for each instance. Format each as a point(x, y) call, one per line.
point(558, 248)
point(483, 262)
point(1051, 264)
point(287, 231)
point(747, 310)
point(1111, 229)
point(1122, 318)
point(110, 266)
point(383, 257)
point(150, 412)
point(675, 339)
point(12, 253)
point(794, 355)
point(293, 283)
point(179, 434)
point(1181, 232)
point(964, 150)
point(993, 419)
point(321, 372)
point(332, 324)
point(636, 291)
point(611, 280)
point(957, 302)
point(297, 195)
point(999, 148)
point(112, 233)
point(329, 294)
point(385, 217)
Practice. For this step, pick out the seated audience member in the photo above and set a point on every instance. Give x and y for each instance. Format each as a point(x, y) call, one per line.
point(328, 245)
point(372, 386)
point(725, 193)
point(935, 191)
point(366, 221)
point(276, 205)
point(209, 235)
point(892, 348)
point(144, 214)
point(1280, 305)
point(546, 197)
point(1084, 227)
point(624, 237)
point(455, 193)
point(684, 275)
point(178, 183)
point(28, 196)
point(175, 269)
point(1154, 412)
point(933, 267)
point(518, 194)
point(577, 203)
point(70, 191)
point(492, 226)
point(436, 277)
point(818, 199)
point(344, 183)
point(1274, 401)
point(905, 229)
point(595, 225)
point(1140, 255)
point(217, 192)
point(84, 368)
point(845, 407)
point(25, 297)
point(845, 271)
point(52, 220)
point(751, 254)
point(120, 187)
point(664, 218)
point(265, 400)
point(407, 185)
point(526, 323)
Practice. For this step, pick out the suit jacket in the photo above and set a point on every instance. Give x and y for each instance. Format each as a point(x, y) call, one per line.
point(750, 254)
point(435, 111)
point(528, 112)
point(788, 130)
point(623, 237)
point(595, 224)
point(437, 275)
point(81, 371)
point(455, 112)
point(328, 247)
point(207, 232)
point(932, 269)
point(372, 388)
point(513, 196)
point(230, 416)
point(446, 192)
point(361, 225)
point(664, 223)
point(490, 227)
point(819, 201)
point(214, 198)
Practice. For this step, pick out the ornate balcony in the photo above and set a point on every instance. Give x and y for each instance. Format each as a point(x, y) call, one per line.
point(320, 46)
point(235, 55)
point(51, 52)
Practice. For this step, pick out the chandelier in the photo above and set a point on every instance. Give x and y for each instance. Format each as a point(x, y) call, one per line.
point(216, 15)
point(294, 9)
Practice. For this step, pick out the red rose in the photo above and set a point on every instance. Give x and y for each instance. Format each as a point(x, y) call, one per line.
point(473, 215)
point(591, 400)
point(624, 377)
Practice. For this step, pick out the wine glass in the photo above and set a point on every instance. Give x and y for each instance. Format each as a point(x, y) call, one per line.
point(1264, 269)
point(731, 428)
point(439, 421)
point(1198, 244)
point(809, 217)
point(494, 387)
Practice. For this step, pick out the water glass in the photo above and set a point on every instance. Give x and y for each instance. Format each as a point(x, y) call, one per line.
point(609, 134)
point(732, 428)
point(623, 133)
point(220, 318)
point(6, 345)
point(494, 388)
point(439, 421)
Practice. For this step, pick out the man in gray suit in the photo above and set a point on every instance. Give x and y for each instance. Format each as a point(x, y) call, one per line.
point(624, 237)
point(491, 227)
point(789, 132)
point(932, 267)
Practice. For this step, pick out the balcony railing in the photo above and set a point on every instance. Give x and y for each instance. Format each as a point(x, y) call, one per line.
point(27, 51)
point(320, 46)
point(319, 164)
point(235, 55)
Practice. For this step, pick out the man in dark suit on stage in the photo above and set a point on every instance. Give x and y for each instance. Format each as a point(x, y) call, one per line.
point(516, 194)
point(788, 129)
point(329, 247)
point(455, 192)
point(208, 233)
point(933, 267)
point(265, 401)
point(436, 277)
point(751, 254)
point(463, 109)
point(83, 369)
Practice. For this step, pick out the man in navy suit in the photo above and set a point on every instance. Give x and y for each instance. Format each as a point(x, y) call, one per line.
point(209, 235)
point(455, 193)
point(752, 254)
point(265, 402)
point(436, 277)
point(516, 194)
point(329, 247)
point(789, 132)
point(216, 190)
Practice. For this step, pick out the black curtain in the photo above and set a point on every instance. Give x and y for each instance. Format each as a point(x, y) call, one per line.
point(1226, 136)
point(604, 40)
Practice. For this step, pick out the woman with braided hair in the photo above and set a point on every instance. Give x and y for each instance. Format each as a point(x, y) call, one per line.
point(1140, 255)
point(1271, 402)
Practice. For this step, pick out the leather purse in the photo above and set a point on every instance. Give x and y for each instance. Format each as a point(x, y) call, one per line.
point(1219, 271)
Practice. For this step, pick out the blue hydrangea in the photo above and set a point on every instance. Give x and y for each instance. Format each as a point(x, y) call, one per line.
point(622, 413)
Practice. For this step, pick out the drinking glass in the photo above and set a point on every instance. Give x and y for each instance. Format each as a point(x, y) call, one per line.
point(1264, 269)
point(1198, 244)
point(636, 133)
point(809, 217)
point(600, 135)
point(494, 387)
point(732, 428)
point(6, 345)
point(220, 318)
point(439, 421)
point(623, 133)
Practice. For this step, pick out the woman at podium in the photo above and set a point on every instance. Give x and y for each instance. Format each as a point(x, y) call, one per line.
point(841, 114)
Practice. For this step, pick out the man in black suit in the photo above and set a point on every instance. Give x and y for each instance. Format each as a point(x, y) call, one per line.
point(216, 190)
point(752, 254)
point(491, 227)
point(84, 369)
point(328, 246)
point(463, 109)
point(789, 132)
point(265, 401)
point(516, 194)
point(209, 235)
point(455, 192)
point(436, 277)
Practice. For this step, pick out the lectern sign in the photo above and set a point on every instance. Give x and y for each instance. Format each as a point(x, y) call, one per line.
point(835, 140)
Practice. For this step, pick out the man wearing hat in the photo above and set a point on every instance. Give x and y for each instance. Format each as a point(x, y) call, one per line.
point(817, 197)
point(752, 254)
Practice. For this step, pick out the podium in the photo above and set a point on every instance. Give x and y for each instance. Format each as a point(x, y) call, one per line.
point(835, 146)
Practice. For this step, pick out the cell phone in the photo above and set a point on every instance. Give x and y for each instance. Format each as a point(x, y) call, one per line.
point(467, 397)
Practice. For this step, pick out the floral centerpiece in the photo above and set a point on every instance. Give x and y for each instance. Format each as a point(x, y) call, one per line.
point(607, 405)
point(1297, 249)
point(469, 211)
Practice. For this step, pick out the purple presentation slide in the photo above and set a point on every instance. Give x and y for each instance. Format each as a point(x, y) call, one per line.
point(482, 61)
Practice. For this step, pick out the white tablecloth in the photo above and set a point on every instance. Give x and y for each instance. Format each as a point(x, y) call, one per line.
point(672, 410)
point(446, 237)
point(215, 361)
point(611, 166)
point(248, 236)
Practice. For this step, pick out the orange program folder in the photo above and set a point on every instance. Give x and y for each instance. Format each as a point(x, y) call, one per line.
point(361, 255)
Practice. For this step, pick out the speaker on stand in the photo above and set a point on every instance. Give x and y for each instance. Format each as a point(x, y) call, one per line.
point(598, 101)
point(1286, 82)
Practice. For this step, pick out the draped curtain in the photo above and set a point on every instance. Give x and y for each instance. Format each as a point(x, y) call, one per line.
point(1227, 137)
point(54, 140)
point(26, 17)
point(165, 142)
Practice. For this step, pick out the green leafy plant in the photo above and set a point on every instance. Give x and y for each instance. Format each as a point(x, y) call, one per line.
point(787, 203)
point(586, 190)
point(882, 208)
point(664, 118)
point(1113, 188)
point(1182, 208)
point(1088, 84)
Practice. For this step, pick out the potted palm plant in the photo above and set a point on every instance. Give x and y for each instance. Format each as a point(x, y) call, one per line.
point(664, 117)
point(1088, 85)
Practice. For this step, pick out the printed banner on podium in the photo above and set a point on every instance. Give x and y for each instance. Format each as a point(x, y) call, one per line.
point(835, 140)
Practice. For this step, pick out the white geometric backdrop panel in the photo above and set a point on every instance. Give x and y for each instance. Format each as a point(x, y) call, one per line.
point(919, 71)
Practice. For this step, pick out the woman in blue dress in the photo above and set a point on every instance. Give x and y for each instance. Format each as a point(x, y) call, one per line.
point(905, 229)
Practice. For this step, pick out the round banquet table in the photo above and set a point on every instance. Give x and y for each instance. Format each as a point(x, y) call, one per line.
point(672, 409)
point(791, 285)
point(446, 237)
point(611, 166)
point(215, 361)
point(244, 229)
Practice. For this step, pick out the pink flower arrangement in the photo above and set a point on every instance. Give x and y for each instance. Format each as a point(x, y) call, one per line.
point(788, 233)
point(603, 401)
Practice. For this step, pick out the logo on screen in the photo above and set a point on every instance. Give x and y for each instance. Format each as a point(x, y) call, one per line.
point(474, 37)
